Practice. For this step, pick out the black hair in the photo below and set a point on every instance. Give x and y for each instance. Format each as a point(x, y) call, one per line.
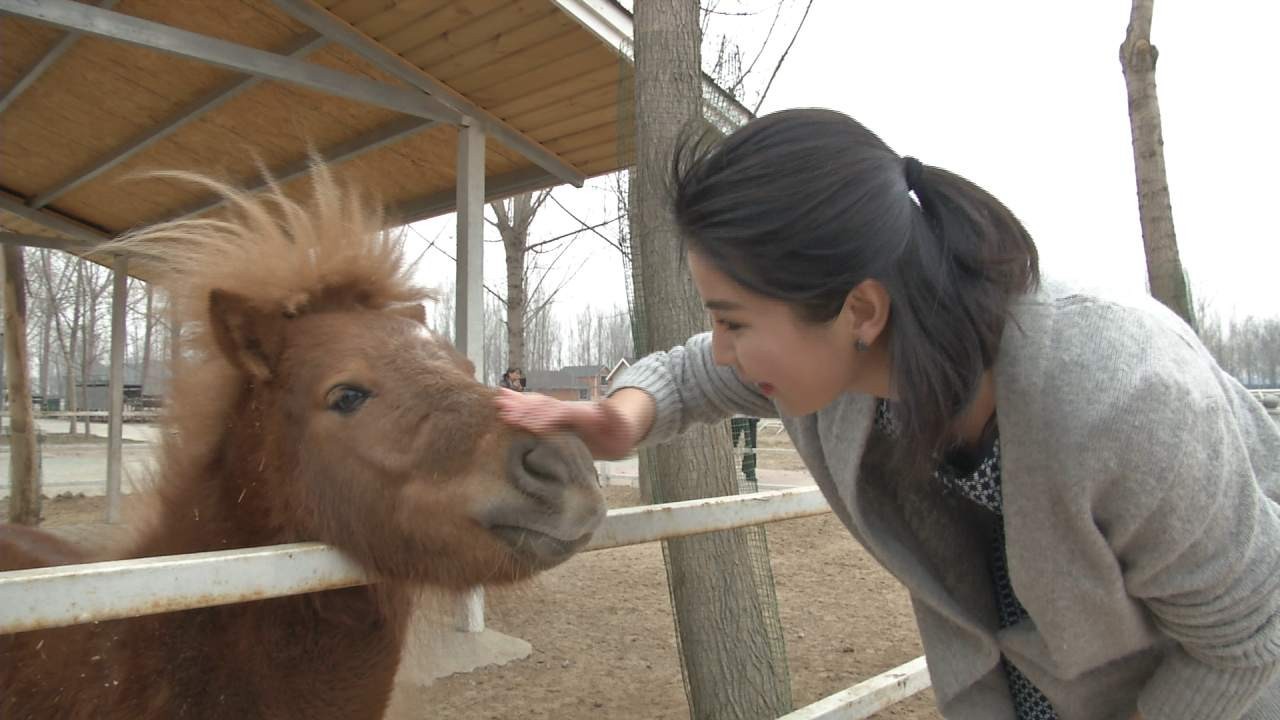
point(803, 205)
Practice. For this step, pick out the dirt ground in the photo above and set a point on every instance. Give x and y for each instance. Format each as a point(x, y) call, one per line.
point(604, 643)
point(602, 634)
point(775, 451)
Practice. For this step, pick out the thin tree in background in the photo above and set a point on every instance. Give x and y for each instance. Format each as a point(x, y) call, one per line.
point(729, 669)
point(150, 318)
point(513, 218)
point(1164, 268)
point(24, 495)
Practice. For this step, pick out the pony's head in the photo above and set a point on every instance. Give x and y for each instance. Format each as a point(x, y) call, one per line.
point(311, 391)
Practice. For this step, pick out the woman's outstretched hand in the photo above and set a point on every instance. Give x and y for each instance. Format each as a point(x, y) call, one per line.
point(610, 429)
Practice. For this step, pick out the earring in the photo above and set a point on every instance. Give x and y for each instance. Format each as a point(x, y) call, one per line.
point(860, 345)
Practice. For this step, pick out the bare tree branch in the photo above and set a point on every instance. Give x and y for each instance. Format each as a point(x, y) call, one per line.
point(737, 85)
point(776, 68)
point(567, 211)
point(572, 233)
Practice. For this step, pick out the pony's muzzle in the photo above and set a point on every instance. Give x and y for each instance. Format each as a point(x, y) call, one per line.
point(557, 503)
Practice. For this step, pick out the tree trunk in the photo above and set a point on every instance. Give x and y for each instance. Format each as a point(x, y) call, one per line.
point(515, 244)
point(24, 481)
point(1138, 62)
point(148, 325)
point(88, 336)
point(730, 671)
point(46, 343)
point(77, 312)
point(514, 218)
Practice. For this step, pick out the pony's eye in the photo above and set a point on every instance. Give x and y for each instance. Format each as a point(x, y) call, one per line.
point(346, 399)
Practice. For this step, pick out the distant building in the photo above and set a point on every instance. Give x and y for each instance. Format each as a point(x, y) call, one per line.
point(94, 395)
point(575, 382)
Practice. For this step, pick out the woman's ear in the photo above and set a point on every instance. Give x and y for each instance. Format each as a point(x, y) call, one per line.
point(866, 309)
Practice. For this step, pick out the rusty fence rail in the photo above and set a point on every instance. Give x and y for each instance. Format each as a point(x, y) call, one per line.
point(92, 592)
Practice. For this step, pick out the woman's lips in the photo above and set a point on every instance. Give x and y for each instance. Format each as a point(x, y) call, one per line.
point(765, 388)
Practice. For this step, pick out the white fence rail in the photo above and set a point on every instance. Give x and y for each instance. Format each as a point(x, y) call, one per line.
point(72, 594)
point(869, 696)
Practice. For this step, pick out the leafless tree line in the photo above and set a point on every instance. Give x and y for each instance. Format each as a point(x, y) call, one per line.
point(595, 336)
point(68, 327)
point(1248, 347)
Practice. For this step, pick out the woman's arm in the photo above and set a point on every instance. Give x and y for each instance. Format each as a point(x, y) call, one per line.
point(1199, 541)
point(652, 401)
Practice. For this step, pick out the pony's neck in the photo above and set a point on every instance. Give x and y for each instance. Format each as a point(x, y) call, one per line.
point(228, 498)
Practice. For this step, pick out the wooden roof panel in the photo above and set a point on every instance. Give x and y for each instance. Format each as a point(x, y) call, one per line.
point(95, 98)
point(526, 62)
point(396, 16)
point(591, 137)
point(23, 45)
point(559, 95)
point(355, 11)
point(439, 23)
point(412, 169)
point(562, 48)
point(570, 109)
point(575, 123)
point(495, 43)
point(502, 29)
point(272, 124)
point(255, 24)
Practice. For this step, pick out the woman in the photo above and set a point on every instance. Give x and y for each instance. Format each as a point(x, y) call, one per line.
point(512, 379)
point(1082, 505)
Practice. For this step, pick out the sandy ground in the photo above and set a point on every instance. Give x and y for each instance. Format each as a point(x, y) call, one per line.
point(604, 644)
point(602, 634)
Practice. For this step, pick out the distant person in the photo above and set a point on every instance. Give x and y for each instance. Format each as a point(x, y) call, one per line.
point(1081, 503)
point(512, 379)
point(745, 427)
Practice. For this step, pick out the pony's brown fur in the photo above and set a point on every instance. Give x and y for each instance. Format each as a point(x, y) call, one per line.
point(309, 403)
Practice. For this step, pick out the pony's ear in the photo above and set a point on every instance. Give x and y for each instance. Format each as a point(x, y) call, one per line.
point(416, 312)
point(250, 338)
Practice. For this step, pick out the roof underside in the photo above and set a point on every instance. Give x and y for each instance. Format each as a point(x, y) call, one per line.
point(77, 143)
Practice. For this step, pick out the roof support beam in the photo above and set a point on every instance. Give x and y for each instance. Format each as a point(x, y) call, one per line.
point(56, 222)
point(57, 51)
point(387, 134)
point(296, 49)
point(89, 20)
point(41, 241)
point(495, 188)
point(338, 30)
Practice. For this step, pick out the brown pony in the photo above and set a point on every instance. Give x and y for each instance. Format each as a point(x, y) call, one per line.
point(309, 403)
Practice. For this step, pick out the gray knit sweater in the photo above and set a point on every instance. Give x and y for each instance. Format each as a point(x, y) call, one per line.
point(1141, 487)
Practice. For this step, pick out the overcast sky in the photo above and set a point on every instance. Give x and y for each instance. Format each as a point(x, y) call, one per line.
point(1026, 98)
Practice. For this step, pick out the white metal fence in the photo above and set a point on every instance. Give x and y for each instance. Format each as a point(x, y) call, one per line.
point(72, 594)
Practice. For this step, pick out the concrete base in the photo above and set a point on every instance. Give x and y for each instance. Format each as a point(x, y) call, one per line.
point(436, 652)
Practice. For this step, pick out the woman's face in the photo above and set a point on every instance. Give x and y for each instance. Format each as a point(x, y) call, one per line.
point(803, 366)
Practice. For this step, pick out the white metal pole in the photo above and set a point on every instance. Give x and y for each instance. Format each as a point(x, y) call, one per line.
point(469, 336)
point(469, 333)
point(115, 427)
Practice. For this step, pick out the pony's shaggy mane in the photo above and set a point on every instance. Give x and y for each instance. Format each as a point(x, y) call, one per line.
point(328, 251)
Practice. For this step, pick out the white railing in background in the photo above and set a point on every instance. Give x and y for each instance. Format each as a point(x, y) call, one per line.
point(1270, 399)
point(92, 592)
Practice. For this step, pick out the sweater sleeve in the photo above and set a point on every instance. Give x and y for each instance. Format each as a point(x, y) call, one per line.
point(688, 388)
point(1198, 539)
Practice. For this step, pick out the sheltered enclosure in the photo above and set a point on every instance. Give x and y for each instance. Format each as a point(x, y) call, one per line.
point(430, 105)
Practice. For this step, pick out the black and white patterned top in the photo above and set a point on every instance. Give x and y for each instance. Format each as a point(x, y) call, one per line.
point(979, 482)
